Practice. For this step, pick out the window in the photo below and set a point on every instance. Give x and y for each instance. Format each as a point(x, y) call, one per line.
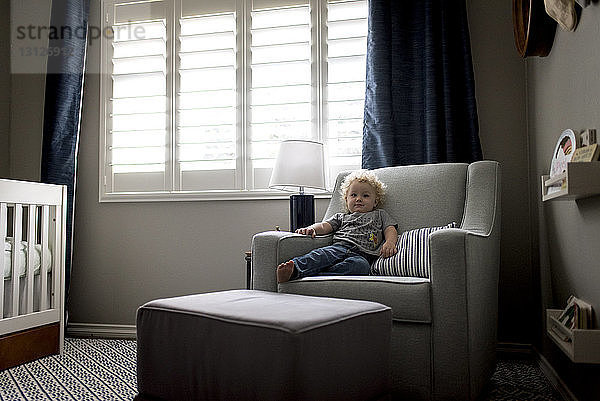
point(196, 96)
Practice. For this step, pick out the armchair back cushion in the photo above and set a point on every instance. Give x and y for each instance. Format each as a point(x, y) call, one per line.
point(417, 196)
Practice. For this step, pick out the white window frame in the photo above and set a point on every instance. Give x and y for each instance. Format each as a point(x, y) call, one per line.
point(243, 174)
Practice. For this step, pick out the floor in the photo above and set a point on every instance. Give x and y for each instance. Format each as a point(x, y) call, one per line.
point(105, 370)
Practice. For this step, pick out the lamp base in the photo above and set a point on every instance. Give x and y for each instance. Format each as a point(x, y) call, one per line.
point(302, 211)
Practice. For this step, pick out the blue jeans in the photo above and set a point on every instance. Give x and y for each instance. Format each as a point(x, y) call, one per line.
point(336, 259)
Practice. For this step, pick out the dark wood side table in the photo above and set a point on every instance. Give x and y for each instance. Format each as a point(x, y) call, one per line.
point(248, 258)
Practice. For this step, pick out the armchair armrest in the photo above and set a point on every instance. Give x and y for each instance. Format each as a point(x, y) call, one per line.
point(465, 266)
point(271, 248)
point(464, 299)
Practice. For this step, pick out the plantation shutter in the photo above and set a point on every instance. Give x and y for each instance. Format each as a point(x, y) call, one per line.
point(207, 129)
point(281, 78)
point(346, 60)
point(138, 107)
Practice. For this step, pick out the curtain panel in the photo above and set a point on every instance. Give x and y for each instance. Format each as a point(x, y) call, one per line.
point(420, 93)
point(62, 108)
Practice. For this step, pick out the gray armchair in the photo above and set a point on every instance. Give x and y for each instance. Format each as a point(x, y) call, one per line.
point(444, 328)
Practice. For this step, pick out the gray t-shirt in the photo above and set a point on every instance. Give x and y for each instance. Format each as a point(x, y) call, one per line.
point(364, 230)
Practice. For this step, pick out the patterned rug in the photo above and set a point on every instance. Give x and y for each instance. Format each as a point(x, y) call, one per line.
point(100, 370)
point(520, 380)
point(104, 370)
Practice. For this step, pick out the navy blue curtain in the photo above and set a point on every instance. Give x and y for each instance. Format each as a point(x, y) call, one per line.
point(62, 109)
point(420, 92)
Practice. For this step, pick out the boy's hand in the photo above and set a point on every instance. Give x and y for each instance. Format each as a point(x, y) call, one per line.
point(388, 249)
point(307, 231)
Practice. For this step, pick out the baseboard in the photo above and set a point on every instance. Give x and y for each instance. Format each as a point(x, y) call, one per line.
point(530, 352)
point(554, 378)
point(117, 331)
point(517, 350)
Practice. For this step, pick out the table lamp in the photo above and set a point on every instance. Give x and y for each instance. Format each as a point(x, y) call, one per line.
point(299, 165)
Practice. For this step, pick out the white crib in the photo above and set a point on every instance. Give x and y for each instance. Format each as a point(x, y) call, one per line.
point(32, 229)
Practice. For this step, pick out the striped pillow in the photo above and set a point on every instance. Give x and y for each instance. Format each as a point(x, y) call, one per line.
point(412, 258)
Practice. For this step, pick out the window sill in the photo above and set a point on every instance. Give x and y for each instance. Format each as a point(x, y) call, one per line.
point(124, 197)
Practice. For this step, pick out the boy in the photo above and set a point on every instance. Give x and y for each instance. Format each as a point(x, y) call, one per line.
point(357, 238)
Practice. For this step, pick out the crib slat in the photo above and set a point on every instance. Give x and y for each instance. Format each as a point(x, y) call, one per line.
point(3, 224)
point(57, 255)
point(31, 220)
point(44, 258)
point(16, 249)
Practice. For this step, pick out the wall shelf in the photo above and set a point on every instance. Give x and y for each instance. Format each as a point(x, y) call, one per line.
point(581, 346)
point(580, 180)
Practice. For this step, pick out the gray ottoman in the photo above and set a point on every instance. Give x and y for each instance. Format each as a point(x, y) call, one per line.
point(256, 345)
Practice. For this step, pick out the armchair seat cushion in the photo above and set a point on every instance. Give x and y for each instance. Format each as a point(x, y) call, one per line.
point(409, 297)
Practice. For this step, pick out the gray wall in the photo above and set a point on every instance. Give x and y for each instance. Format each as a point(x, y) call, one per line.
point(26, 125)
point(128, 253)
point(27, 89)
point(563, 91)
point(22, 84)
point(500, 90)
point(4, 88)
point(125, 253)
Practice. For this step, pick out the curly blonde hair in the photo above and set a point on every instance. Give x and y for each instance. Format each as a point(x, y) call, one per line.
point(368, 177)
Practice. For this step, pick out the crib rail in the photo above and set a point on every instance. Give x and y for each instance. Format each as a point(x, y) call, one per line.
point(34, 213)
point(30, 193)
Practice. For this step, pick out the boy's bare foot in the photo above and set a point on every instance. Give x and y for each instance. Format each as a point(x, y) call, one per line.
point(285, 271)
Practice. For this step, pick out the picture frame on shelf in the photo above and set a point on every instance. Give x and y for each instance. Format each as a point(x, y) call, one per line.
point(563, 152)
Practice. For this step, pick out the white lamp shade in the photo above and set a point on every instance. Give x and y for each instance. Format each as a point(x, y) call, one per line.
point(299, 164)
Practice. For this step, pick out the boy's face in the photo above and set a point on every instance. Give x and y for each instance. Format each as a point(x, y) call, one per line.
point(360, 197)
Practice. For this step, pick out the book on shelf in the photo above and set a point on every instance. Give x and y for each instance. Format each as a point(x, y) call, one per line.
point(577, 314)
point(586, 153)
